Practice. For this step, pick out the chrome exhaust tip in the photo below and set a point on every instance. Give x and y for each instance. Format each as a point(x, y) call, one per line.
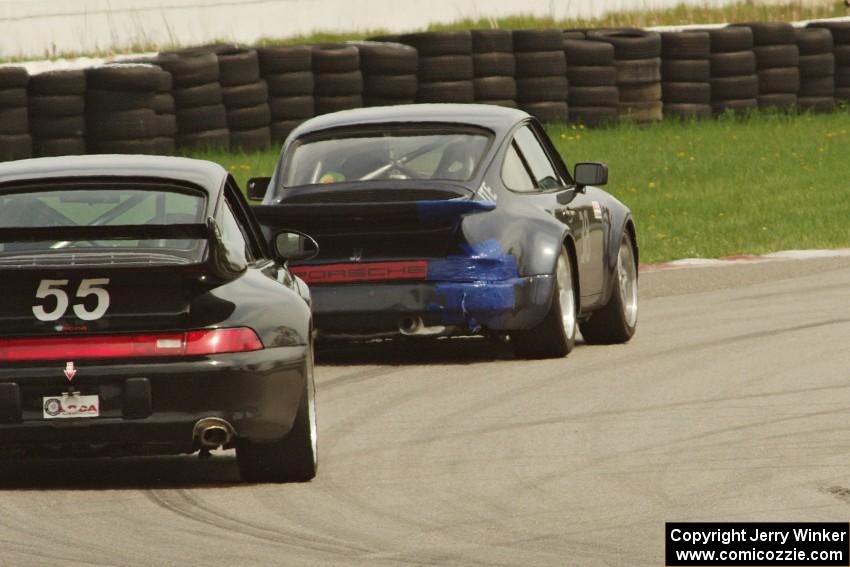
point(410, 325)
point(213, 432)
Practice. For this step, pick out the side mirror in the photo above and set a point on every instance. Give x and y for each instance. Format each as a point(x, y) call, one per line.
point(590, 173)
point(257, 187)
point(291, 245)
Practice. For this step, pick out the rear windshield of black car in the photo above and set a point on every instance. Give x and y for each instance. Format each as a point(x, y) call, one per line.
point(386, 153)
point(102, 204)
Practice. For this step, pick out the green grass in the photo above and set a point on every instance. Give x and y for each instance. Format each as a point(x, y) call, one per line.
point(706, 189)
point(745, 11)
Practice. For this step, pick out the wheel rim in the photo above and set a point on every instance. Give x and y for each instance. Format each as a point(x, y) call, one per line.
point(566, 297)
point(311, 406)
point(627, 274)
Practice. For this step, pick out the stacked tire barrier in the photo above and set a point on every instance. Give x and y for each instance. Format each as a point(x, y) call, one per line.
point(120, 115)
point(541, 74)
point(841, 52)
point(288, 73)
point(777, 64)
point(637, 57)
point(593, 96)
point(389, 73)
point(15, 139)
point(57, 108)
point(166, 120)
point(817, 70)
point(734, 82)
point(338, 79)
point(246, 99)
point(201, 115)
point(494, 66)
point(685, 72)
point(445, 66)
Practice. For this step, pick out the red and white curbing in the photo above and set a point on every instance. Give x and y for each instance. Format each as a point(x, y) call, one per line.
point(745, 258)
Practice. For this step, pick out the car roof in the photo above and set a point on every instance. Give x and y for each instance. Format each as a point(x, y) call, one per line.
point(499, 119)
point(204, 174)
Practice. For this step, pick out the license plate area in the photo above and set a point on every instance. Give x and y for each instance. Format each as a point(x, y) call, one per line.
point(70, 405)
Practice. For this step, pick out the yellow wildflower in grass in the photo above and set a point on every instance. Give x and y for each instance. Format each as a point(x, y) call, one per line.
point(651, 184)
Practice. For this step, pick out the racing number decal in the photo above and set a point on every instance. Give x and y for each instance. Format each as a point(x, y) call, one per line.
point(55, 289)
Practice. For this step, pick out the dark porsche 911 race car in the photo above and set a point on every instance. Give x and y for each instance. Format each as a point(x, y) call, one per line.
point(454, 219)
point(142, 313)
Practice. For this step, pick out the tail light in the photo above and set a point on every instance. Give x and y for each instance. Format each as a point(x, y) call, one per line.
point(191, 343)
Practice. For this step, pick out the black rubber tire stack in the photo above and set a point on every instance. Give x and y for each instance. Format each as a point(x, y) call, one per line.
point(15, 139)
point(338, 78)
point(593, 95)
point(734, 83)
point(446, 71)
point(841, 52)
point(685, 71)
point(120, 115)
point(246, 98)
point(201, 115)
point(637, 57)
point(288, 72)
point(389, 73)
point(777, 64)
point(494, 66)
point(541, 74)
point(58, 113)
point(817, 70)
point(166, 119)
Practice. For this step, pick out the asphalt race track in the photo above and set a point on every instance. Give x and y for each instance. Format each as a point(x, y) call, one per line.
point(732, 403)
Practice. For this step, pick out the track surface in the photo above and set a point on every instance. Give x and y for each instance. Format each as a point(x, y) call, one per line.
point(731, 403)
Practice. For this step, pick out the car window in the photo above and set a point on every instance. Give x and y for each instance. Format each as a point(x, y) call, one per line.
point(100, 204)
point(232, 234)
point(391, 153)
point(544, 173)
point(515, 175)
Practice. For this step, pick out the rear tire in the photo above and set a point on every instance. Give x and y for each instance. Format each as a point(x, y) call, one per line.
point(555, 336)
point(616, 321)
point(293, 458)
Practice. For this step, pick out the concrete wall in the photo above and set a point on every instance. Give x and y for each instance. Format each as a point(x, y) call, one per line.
point(45, 27)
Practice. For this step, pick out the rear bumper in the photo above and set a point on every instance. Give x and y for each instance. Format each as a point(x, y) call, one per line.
point(152, 406)
point(475, 307)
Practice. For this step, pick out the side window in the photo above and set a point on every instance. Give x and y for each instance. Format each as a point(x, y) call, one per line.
point(542, 170)
point(515, 175)
point(232, 234)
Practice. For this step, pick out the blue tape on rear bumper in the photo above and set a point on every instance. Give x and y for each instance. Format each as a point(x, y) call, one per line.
point(481, 262)
point(477, 287)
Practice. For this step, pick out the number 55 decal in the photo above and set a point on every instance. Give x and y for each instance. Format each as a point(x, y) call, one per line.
point(55, 289)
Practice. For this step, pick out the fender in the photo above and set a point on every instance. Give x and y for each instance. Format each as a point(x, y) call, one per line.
point(620, 220)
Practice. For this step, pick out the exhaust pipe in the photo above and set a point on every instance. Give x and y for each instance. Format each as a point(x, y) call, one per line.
point(410, 325)
point(213, 432)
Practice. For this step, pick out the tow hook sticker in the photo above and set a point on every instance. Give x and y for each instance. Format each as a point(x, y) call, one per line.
point(597, 210)
point(70, 371)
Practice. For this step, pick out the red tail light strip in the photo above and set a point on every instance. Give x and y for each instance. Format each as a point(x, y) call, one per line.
point(69, 347)
point(368, 272)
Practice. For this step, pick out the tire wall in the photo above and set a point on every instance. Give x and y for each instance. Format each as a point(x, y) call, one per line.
point(223, 96)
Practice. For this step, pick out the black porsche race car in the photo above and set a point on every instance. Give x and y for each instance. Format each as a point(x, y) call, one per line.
point(454, 220)
point(142, 313)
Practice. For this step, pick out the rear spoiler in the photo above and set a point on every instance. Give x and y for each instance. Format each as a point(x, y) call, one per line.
point(219, 262)
point(331, 214)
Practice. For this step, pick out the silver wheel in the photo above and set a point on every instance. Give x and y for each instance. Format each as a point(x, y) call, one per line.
point(566, 297)
point(627, 274)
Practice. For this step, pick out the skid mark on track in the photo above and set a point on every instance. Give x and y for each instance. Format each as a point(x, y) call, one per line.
point(182, 503)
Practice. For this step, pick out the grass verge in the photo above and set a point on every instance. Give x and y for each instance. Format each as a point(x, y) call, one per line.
point(705, 189)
